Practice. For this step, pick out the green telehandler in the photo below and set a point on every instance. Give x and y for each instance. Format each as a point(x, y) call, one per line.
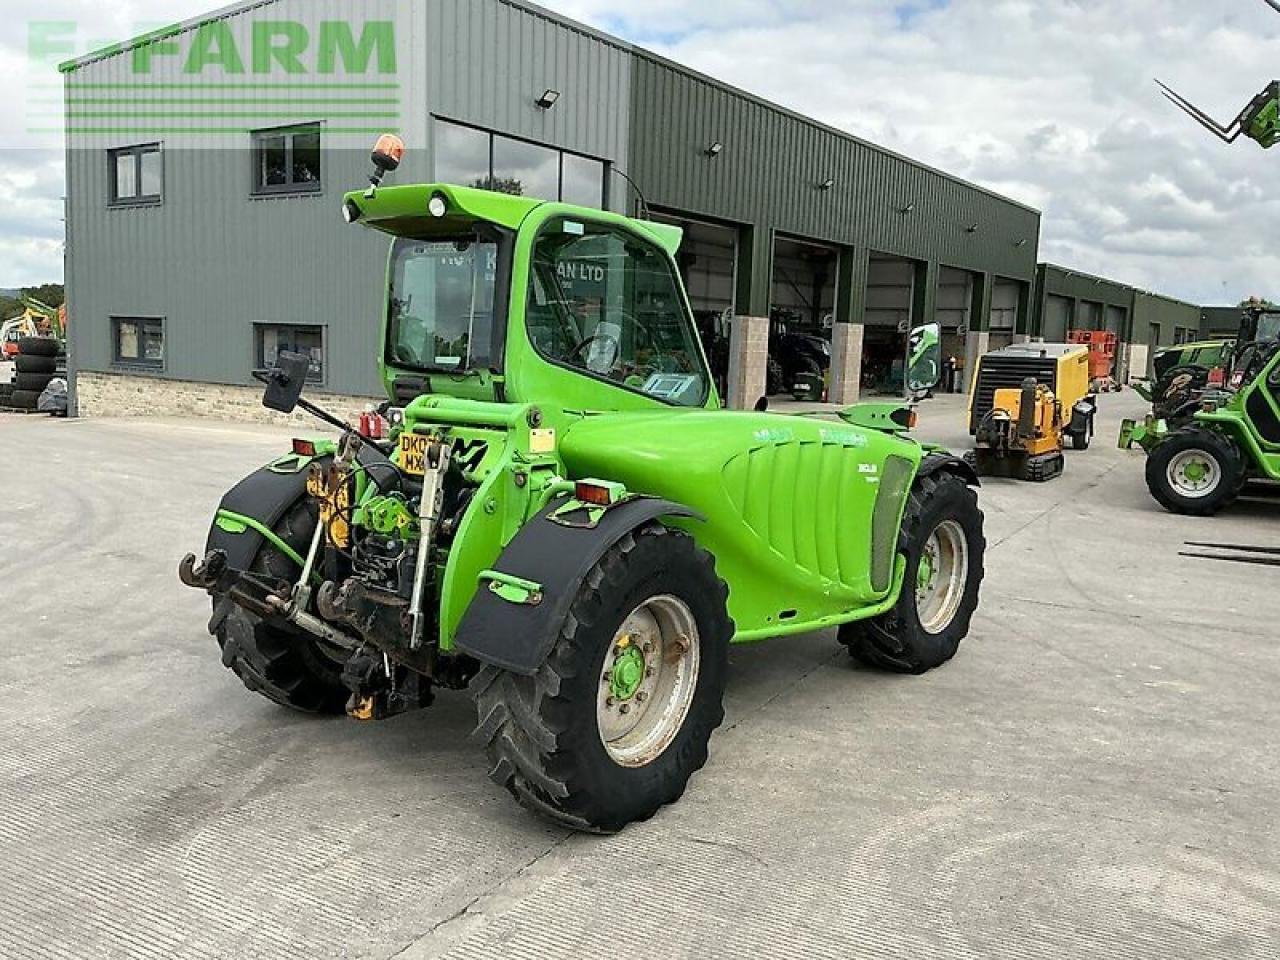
point(1202, 467)
point(1259, 121)
point(564, 521)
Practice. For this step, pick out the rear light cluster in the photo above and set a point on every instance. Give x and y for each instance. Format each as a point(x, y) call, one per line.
point(593, 494)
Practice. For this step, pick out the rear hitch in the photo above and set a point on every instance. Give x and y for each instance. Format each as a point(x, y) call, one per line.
point(381, 689)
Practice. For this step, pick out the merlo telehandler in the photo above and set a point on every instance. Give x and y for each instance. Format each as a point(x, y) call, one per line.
point(1234, 438)
point(565, 521)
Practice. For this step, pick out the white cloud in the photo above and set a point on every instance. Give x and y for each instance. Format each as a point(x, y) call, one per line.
point(1052, 104)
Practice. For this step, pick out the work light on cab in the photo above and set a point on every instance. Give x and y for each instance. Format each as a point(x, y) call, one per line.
point(386, 157)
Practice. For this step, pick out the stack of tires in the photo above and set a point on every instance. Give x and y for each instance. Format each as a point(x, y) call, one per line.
point(37, 363)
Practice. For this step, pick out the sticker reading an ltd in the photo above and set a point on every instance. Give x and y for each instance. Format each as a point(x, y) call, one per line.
point(413, 453)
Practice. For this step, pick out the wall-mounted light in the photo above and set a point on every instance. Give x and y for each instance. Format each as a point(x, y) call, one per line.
point(910, 207)
point(972, 228)
point(827, 184)
point(548, 99)
point(715, 149)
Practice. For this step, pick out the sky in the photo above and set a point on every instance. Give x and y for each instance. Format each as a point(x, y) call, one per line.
point(1052, 104)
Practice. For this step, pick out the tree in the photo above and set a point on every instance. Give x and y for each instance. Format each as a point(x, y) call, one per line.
point(50, 294)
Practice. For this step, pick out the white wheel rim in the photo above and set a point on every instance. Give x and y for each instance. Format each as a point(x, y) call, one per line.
point(941, 577)
point(639, 718)
point(1194, 474)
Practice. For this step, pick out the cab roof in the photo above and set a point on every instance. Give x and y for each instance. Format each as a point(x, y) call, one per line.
point(403, 212)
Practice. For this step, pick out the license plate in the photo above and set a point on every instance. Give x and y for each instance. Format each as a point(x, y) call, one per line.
point(413, 453)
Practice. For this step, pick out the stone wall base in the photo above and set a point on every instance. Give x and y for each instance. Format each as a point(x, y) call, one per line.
point(748, 361)
point(846, 363)
point(124, 395)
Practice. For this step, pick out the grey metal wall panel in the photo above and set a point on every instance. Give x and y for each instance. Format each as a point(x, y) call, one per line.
point(773, 162)
point(212, 260)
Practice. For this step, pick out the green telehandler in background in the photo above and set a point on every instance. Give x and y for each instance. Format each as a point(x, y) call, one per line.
point(564, 521)
point(1259, 121)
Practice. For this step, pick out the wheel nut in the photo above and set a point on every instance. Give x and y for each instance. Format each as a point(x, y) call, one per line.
point(625, 709)
point(650, 673)
point(642, 696)
point(609, 703)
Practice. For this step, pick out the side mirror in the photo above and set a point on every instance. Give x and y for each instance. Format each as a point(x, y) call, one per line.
point(285, 382)
point(924, 358)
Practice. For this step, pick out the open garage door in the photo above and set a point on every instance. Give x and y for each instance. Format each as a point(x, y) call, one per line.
point(888, 316)
point(954, 309)
point(708, 262)
point(803, 306)
point(1004, 312)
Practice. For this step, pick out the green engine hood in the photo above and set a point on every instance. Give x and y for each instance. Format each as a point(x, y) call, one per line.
point(789, 502)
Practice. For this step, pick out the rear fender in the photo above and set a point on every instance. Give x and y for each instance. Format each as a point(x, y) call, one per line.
point(252, 508)
point(514, 622)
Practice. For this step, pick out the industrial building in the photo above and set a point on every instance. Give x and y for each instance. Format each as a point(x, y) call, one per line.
point(1066, 300)
point(206, 163)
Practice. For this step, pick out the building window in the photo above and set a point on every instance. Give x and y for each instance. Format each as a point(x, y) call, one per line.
point(270, 340)
point(137, 342)
point(137, 174)
point(476, 158)
point(287, 160)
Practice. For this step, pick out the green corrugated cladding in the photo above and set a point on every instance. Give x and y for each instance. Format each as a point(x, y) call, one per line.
point(1144, 312)
point(1151, 311)
point(1219, 321)
point(767, 183)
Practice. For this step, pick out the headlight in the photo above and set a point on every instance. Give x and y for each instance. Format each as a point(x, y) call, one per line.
point(351, 211)
point(438, 206)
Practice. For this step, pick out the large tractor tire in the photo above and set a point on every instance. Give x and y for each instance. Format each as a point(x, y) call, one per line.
point(35, 382)
point(1195, 473)
point(38, 346)
point(619, 716)
point(24, 399)
point(944, 546)
point(286, 666)
point(25, 364)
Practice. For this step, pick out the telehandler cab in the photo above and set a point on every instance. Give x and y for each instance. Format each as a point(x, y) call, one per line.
point(565, 521)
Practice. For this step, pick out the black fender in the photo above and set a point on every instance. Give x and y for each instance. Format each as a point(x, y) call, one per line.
point(935, 463)
point(266, 495)
point(518, 637)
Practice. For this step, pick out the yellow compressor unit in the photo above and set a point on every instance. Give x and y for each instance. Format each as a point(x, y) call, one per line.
point(1061, 367)
point(1025, 402)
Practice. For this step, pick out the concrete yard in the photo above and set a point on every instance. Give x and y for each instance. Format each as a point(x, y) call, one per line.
point(1095, 775)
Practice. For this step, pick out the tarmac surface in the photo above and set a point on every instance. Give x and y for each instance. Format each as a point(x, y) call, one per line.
point(1095, 775)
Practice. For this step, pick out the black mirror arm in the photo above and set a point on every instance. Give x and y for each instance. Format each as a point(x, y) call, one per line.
point(268, 377)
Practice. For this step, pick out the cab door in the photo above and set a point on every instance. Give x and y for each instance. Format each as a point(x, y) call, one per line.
point(1263, 405)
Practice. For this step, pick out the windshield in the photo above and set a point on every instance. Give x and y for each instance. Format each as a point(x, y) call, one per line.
point(1269, 327)
point(608, 304)
point(441, 306)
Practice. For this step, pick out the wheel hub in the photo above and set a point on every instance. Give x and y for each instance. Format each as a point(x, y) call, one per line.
point(1196, 471)
point(628, 671)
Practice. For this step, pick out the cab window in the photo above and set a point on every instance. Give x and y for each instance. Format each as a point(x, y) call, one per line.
point(607, 303)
